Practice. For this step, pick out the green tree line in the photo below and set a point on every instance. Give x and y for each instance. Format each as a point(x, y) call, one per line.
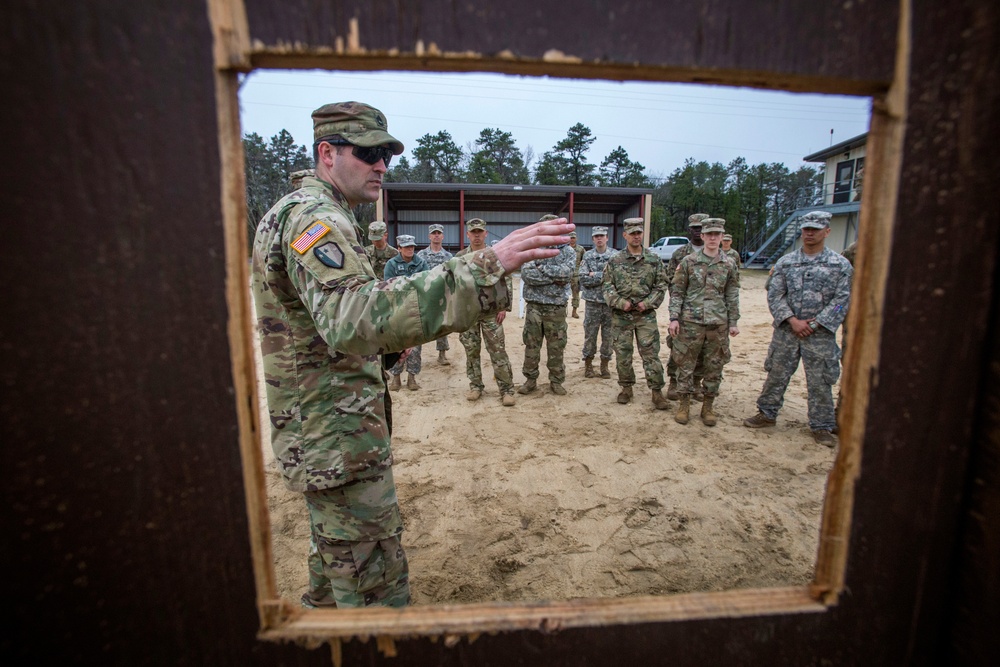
point(753, 199)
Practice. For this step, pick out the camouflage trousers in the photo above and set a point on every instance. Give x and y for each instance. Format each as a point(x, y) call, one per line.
point(574, 287)
point(597, 319)
point(486, 330)
point(821, 360)
point(705, 345)
point(699, 368)
point(355, 555)
point(643, 327)
point(441, 344)
point(411, 365)
point(546, 322)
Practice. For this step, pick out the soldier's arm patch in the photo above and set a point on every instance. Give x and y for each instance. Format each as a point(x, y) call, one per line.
point(330, 254)
point(308, 238)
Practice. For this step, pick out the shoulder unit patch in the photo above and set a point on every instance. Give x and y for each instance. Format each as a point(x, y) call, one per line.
point(330, 255)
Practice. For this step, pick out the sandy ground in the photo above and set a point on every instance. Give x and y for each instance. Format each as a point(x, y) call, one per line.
point(577, 496)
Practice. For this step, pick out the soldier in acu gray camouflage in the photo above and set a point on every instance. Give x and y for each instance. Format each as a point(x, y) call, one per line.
point(434, 255)
point(597, 317)
point(546, 291)
point(808, 297)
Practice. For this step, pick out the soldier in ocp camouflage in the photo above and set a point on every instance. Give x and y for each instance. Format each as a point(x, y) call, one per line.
point(597, 317)
point(634, 286)
point(379, 252)
point(487, 329)
point(808, 297)
point(323, 320)
point(694, 243)
point(546, 291)
point(435, 255)
point(727, 247)
point(704, 312)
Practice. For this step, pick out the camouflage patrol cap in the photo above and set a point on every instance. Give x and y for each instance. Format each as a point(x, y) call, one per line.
point(599, 231)
point(727, 237)
point(356, 122)
point(695, 219)
point(633, 225)
point(405, 240)
point(713, 225)
point(475, 223)
point(548, 216)
point(572, 235)
point(816, 220)
point(376, 230)
point(435, 228)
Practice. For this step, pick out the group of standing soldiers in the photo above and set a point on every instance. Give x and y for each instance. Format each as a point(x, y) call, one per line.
point(808, 294)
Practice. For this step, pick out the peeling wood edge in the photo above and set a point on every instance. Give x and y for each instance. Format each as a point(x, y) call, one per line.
point(239, 331)
point(883, 160)
point(470, 620)
point(303, 57)
point(230, 34)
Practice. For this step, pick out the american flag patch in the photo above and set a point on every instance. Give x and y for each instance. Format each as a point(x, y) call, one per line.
point(309, 237)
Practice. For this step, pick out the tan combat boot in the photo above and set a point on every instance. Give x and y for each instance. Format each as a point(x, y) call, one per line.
point(528, 387)
point(442, 359)
point(507, 400)
point(557, 389)
point(605, 373)
point(625, 395)
point(473, 395)
point(394, 383)
point(672, 389)
point(707, 415)
point(575, 314)
point(411, 382)
point(659, 402)
point(588, 367)
point(683, 409)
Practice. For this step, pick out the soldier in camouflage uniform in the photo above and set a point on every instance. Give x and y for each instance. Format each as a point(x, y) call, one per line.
point(379, 252)
point(694, 244)
point(434, 255)
point(296, 177)
point(727, 247)
point(575, 285)
point(808, 298)
point(634, 286)
point(597, 317)
point(405, 264)
point(704, 311)
point(489, 329)
point(323, 320)
point(546, 291)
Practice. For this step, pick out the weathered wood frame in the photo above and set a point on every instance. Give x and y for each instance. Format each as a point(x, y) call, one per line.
point(283, 620)
point(126, 510)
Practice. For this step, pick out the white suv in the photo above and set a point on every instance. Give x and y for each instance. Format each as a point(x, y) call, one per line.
point(665, 246)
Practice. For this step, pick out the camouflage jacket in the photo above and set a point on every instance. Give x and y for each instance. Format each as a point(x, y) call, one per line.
point(634, 279)
point(434, 258)
point(379, 258)
point(397, 266)
point(736, 258)
point(804, 288)
point(507, 278)
point(548, 280)
point(594, 262)
point(676, 258)
point(579, 250)
point(706, 290)
point(323, 320)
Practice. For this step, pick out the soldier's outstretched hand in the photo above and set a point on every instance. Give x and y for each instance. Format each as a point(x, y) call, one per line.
point(532, 242)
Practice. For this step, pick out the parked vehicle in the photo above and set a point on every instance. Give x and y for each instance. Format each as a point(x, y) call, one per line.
point(665, 246)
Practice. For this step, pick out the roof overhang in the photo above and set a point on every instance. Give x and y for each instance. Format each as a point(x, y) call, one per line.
point(842, 147)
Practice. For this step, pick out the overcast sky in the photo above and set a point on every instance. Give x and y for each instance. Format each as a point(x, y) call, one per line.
point(659, 124)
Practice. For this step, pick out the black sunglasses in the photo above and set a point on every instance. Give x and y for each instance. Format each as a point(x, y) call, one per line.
point(367, 154)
